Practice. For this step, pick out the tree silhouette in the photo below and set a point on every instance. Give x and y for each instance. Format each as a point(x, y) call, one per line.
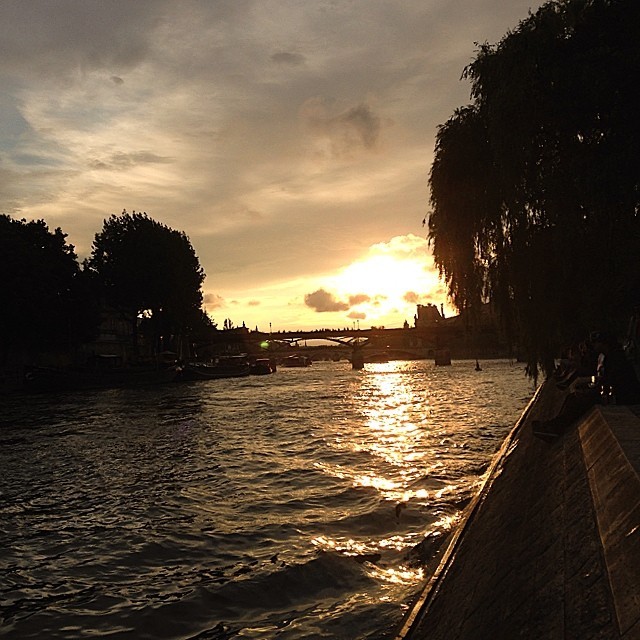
point(535, 187)
point(148, 269)
point(44, 294)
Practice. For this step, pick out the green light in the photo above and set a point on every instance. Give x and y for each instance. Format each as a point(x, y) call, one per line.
point(264, 345)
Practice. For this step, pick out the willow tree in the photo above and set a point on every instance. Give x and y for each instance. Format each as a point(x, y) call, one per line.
point(535, 186)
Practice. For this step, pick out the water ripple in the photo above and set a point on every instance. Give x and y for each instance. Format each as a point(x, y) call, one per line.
point(301, 504)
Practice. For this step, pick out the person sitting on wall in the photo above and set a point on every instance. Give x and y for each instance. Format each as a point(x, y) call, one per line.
point(581, 361)
point(615, 382)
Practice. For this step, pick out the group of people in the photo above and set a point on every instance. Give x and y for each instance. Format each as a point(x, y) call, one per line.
point(602, 374)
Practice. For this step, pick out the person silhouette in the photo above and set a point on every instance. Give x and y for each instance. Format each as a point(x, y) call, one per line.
point(614, 381)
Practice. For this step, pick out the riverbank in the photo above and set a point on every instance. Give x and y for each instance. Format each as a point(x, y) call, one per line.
point(550, 547)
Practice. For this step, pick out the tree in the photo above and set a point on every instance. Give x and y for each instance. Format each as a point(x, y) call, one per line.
point(148, 269)
point(43, 292)
point(535, 186)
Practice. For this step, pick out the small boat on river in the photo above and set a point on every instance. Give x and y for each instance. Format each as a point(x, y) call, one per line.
point(262, 367)
point(296, 361)
point(222, 367)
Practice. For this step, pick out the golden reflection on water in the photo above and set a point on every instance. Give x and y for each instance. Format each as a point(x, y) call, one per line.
point(403, 575)
point(415, 453)
point(382, 484)
point(446, 522)
point(391, 408)
point(393, 575)
point(392, 446)
point(395, 429)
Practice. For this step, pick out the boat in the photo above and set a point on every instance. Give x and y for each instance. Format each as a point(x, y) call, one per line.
point(222, 367)
point(262, 366)
point(47, 379)
point(296, 361)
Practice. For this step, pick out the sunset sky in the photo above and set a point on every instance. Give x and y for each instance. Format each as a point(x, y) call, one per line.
point(290, 140)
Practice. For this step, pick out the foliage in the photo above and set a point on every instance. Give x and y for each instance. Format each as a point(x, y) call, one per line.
point(148, 269)
point(44, 294)
point(535, 186)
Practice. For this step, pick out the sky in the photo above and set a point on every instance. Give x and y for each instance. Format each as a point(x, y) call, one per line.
point(290, 140)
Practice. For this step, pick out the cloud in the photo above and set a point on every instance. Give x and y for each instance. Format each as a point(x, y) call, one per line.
point(357, 315)
point(213, 301)
point(322, 301)
point(411, 296)
point(253, 303)
point(358, 299)
point(365, 122)
point(353, 130)
point(58, 39)
point(120, 161)
point(287, 58)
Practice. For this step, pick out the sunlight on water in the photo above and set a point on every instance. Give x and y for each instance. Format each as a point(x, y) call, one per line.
point(382, 484)
point(403, 576)
point(389, 406)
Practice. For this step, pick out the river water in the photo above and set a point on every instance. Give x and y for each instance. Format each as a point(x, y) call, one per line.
point(281, 506)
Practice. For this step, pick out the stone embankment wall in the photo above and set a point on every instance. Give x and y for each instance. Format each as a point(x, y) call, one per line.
point(550, 547)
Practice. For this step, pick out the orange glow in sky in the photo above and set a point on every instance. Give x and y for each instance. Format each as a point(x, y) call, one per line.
point(380, 288)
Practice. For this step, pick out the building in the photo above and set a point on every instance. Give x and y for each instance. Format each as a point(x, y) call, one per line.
point(427, 316)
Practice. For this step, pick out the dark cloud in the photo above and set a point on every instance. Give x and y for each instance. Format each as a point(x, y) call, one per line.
point(359, 298)
point(365, 122)
point(411, 296)
point(357, 315)
point(58, 38)
point(213, 301)
point(355, 129)
point(287, 58)
point(322, 301)
point(254, 303)
point(119, 161)
point(117, 80)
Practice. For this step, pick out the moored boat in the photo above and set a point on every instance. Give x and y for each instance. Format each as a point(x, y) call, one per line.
point(223, 367)
point(46, 379)
point(262, 366)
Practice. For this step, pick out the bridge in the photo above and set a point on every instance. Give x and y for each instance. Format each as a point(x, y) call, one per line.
point(359, 345)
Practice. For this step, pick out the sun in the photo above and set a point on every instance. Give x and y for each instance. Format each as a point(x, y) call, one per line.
point(390, 280)
point(386, 276)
